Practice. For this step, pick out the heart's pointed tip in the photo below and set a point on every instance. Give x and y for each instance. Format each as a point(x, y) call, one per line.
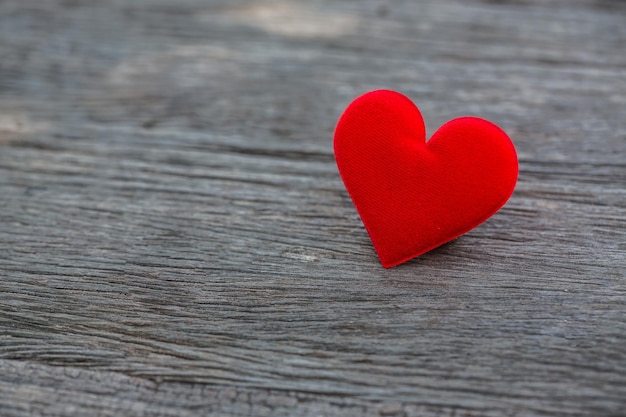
point(389, 265)
point(391, 262)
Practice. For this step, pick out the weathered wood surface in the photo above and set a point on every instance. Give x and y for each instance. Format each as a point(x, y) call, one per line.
point(175, 239)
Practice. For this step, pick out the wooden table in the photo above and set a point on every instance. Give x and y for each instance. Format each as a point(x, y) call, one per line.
point(175, 239)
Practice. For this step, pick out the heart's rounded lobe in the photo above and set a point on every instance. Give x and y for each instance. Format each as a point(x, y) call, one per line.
point(414, 195)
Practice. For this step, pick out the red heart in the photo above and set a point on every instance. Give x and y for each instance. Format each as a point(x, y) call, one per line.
point(414, 195)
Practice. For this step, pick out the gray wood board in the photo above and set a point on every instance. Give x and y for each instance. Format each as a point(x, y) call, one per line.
point(175, 239)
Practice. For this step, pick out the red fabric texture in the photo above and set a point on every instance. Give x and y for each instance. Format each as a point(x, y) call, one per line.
point(414, 195)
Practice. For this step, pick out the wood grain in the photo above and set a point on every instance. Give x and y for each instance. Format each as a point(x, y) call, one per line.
point(175, 239)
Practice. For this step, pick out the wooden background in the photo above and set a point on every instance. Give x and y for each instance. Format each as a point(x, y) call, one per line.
point(175, 239)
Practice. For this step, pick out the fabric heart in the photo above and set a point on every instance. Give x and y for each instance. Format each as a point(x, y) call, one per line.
point(414, 195)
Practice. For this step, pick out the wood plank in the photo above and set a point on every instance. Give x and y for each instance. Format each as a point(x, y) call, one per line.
point(175, 238)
